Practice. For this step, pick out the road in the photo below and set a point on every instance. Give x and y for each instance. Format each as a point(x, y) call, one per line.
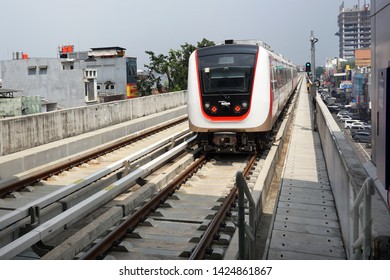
point(362, 152)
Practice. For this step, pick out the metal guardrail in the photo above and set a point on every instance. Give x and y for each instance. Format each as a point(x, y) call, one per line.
point(207, 238)
point(245, 232)
point(141, 214)
point(362, 222)
point(44, 230)
point(24, 211)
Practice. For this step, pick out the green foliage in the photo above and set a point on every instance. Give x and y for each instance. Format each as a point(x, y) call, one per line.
point(320, 71)
point(145, 86)
point(173, 66)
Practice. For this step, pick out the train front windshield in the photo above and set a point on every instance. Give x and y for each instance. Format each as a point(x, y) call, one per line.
point(227, 73)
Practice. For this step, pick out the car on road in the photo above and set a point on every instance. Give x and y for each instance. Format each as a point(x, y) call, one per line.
point(333, 108)
point(359, 127)
point(362, 123)
point(348, 123)
point(342, 113)
point(362, 136)
point(344, 118)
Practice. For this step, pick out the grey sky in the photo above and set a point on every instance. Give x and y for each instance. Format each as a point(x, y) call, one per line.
point(38, 27)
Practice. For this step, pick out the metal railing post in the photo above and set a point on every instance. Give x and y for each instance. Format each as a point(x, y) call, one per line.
point(361, 239)
point(241, 219)
point(245, 232)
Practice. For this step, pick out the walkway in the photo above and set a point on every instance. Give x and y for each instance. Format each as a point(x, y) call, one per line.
point(305, 224)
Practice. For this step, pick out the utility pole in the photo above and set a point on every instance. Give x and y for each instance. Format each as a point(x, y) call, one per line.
point(313, 40)
point(313, 86)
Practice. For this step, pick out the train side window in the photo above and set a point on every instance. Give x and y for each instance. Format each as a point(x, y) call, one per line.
point(284, 75)
point(289, 74)
point(281, 75)
point(278, 77)
point(274, 82)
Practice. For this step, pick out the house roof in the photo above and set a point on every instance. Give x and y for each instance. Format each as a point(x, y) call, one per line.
point(108, 48)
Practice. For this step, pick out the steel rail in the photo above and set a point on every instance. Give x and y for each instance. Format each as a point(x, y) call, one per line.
point(19, 183)
point(44, 230)
point(209, 235)
point(140, 215)
point(24, 211)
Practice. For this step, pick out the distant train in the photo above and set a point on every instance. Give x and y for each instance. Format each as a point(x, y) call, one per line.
point(236, 91)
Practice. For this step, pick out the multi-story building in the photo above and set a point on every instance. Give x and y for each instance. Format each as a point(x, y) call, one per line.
point(66, 82)
point(74, 78)
point(354, 29)
point(363, 58)
point(116, 73)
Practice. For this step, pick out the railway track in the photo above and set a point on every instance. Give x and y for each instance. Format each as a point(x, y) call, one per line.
point(192, 206)
point(181, 221)
point(10, 187)
point(26, 209)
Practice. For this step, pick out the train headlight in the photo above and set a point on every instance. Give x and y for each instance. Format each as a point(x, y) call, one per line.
point(244, 104)
point(237, 108)
point(207, 106)
point(214, 109)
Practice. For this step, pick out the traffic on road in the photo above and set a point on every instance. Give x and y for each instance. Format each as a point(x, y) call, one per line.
point(356, 129)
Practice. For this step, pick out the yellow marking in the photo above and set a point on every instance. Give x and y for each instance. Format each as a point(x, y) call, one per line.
point(110, 187)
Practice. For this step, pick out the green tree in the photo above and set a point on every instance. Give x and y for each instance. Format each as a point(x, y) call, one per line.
point(320, 71)
point(173, 66)
point(145, 84)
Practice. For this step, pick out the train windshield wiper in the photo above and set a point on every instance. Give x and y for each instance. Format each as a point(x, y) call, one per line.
point(216, 88)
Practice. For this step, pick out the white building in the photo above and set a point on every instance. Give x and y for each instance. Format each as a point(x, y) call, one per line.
point(67, 82)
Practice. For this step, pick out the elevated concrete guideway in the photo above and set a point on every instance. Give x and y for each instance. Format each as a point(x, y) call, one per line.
point(31, 141)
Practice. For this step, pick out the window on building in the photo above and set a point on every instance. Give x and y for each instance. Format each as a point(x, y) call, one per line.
point(43, 70)
point(32, 70)
point(109, 85)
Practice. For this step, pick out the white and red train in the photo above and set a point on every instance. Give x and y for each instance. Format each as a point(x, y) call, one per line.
point(236, 93)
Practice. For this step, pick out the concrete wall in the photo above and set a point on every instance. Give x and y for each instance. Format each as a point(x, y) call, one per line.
point(347, 175)
point(20, 133)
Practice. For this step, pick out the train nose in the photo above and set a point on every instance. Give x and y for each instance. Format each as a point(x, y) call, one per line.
point(225, 109)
